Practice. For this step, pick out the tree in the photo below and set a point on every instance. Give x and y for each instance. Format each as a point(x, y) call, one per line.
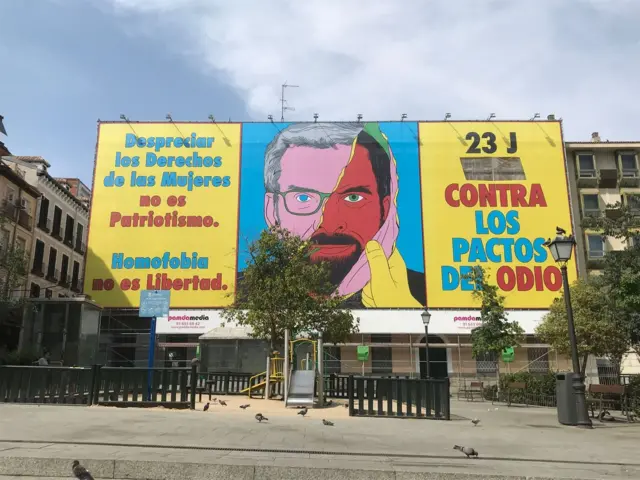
point(598, 331)
point(621, 269)
point(14, 263)
point(281, 289)
point(497, 332)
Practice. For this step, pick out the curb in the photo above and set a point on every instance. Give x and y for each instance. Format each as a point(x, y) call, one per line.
point(145, 470)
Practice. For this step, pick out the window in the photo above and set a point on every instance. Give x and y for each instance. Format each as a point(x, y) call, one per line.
point(538, 359)
point(586, 165)
point(492, 169)
point(633, 202)
point(381, 357)
point(590, 204)
point(51, 267)
point(43, 216)
point(64, 269)
point(628, 164)
point(595, 244)
point(38, 257)
point(34, 290)
point(487, 363)
point(68, 231)
point(79, 237)
point(57, 221)
point(76, 273)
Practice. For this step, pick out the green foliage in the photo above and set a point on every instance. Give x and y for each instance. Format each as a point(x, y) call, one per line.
point(22, 358)
point(282, 289)
point(633, 390)
point(496, 332)
point(621, 225)
point(541, 388)
point(13, 272)
point(598, 332)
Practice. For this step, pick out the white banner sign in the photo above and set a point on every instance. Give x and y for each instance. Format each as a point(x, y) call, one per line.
point(188, 322)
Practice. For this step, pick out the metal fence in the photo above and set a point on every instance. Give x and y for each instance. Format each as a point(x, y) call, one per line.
point(399, 397)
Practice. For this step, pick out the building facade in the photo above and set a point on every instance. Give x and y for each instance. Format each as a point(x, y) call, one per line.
point(17, 208)
point(602, 175)
point(61, 221)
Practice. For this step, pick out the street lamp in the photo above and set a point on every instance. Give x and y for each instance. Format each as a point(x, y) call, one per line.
point(561, 249)
point(426, 317)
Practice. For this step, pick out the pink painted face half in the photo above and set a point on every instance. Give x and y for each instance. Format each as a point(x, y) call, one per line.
point(307, 179)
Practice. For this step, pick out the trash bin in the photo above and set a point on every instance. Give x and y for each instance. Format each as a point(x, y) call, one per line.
point(566, 399)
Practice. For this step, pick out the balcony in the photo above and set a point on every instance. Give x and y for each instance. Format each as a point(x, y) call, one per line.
point(53, 274)
point(25, 220)
point(595, 259)
point(44, 224)
point(608, 178)
point(38, 269)
point(64, 280)
point(80, 247)
point(629, 178)
point(76, 285)
point(57, 232)
point(8, 209)
point(68, 241)
point(587, 178)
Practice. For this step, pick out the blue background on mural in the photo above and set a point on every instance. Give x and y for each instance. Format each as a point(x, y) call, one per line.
point(403, 138)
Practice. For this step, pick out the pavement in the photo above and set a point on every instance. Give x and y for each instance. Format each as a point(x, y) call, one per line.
point(227, 442)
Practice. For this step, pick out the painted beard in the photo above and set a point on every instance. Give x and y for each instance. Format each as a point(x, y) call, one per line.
point(341, 252)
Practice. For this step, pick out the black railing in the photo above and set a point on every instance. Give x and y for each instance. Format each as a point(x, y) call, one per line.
point(80, 247)
point(63, 385)
point(57, 232)
point(399, 397)
point(44, 224)
point(76, 285)
point(227, 383)
point(25, 220)
point(38, 268)
point(68, 241)
point(52, 274)
point(113, 386)
point(64, 280)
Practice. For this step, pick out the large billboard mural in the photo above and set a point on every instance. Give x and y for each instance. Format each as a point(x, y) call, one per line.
point(400, 210)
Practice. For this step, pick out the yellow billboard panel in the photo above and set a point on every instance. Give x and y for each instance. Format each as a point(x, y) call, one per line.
point(492, 193)
point(164, 213)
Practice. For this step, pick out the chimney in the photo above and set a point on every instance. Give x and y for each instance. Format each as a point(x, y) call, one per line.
point(551, 116)
point(595, 137)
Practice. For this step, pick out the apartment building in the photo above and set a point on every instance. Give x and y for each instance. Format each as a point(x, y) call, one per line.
point(57, 256)
point(17, 208)
point(77, 188)
point(602, 174)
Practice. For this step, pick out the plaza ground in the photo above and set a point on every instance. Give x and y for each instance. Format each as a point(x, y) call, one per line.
point(514, 442)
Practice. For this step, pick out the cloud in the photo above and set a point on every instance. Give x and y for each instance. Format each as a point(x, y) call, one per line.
point(423, 58)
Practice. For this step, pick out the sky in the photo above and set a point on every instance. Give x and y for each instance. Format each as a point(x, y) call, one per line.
point(64, 64)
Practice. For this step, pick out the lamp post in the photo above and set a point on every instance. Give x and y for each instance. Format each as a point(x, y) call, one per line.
point(561, 249)
point(426, 317)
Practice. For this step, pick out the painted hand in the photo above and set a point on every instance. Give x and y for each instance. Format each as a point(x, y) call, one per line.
point(389, 286)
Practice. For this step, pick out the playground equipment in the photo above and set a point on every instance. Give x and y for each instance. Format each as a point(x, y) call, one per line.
point(303, 374)
point(263, 380)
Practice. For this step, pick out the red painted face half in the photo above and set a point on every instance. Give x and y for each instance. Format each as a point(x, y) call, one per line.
point(351, 216)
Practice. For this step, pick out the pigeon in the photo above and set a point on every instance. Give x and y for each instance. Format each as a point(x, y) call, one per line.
point(560, 231)
point(327, 423)
point(475, 421)
point(206, 407)
point(261, 417)
point(215, 400)
point(303, 412)
point(223, 403)
point(346, 405)
point(80, 472)
point(468, 451)
point(244, 407)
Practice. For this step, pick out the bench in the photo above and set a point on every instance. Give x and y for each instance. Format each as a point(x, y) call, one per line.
point(469, 393)
point(596, 396)
point(517, 387)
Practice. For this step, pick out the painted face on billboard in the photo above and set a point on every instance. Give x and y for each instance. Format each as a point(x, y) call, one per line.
point(332, 198)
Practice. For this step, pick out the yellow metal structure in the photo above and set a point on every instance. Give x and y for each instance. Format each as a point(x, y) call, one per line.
point(303, 361)
point(260, 380)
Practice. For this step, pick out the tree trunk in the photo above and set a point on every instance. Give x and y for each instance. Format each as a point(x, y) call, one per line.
point(498, 377)
point(583, 367)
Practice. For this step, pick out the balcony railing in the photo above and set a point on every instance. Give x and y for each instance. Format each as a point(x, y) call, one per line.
point(38, 268)
point(53, 274)
point(68, 241)
point(80, 247)
point(25, 220)
point(57, 232)
point(76, 285)
point(44, 224)
point(8, 209)
point(65, 280)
